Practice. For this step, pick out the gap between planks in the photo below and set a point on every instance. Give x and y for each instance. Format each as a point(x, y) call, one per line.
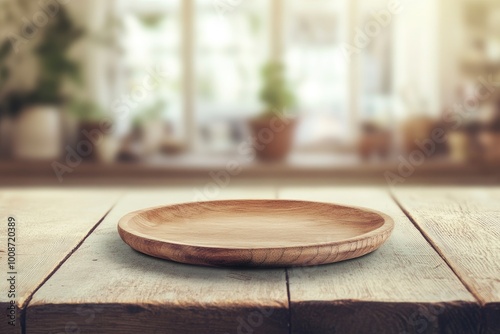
point(434, 246)
point(276, 194)
point(24, 306)
point(287, 280)
point(289, 302)
point(169, 297)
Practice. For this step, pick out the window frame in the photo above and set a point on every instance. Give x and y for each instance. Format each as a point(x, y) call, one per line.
point(276, 49)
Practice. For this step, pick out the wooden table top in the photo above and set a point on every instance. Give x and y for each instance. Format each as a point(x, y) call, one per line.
point(438, 273)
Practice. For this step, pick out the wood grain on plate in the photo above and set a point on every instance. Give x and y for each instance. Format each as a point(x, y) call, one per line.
point(404, 287)
point(463, 224)
point(50, 223)
point(255, 232)
point(107, 287)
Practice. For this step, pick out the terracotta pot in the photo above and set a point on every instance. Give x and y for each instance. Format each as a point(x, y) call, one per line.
point(416, 129)
point(490, 142)
point(460, 146)
point(375, 144)
point(273, 137)
point(38, 134)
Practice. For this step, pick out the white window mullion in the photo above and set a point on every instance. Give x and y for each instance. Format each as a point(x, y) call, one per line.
point(188, 91)
point(353, 72)
point(277, 30)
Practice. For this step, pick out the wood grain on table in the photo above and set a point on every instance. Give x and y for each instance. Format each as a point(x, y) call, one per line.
point(463, 224)
point(106, 287)
point(404, 287)
point(438, 273)
point(50, 224)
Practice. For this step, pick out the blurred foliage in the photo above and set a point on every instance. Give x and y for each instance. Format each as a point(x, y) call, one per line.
point(275, 93)
point(108, 36)
point(58, 36)
point(151, 21)
point(86, 111)
point(51, 50)
point(152, 112)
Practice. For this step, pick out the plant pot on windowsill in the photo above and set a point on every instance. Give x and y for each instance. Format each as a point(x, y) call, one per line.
point(37, 133)
point(152, 134)
point(96, 141)
point(273, 136)
point(273, 130)
point(489, 139)
point(375, 141)
point(98, 144)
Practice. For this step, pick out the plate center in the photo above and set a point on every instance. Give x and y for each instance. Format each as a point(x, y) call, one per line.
point(251, 224)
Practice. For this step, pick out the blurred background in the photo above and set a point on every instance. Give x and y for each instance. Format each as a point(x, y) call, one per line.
point(152, 88)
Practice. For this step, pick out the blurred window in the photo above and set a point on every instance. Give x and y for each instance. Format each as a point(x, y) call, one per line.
point(152, 46)
point(317, 69)
point(228, 41)
point(231, 45)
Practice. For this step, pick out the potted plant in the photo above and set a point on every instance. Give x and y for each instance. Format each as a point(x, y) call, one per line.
point(95, 130)
point(273, 130)
point(38, 129)
point(489, 134)
point(375, 141)
point(150, 127)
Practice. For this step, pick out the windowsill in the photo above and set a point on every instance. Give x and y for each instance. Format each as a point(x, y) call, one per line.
point(188, 168)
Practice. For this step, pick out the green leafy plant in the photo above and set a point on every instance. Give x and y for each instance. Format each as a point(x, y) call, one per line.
point(50, 47)
point(151, 112)
point(58, 36)
point(86, 111)
point(151, 21)
point(274, 92)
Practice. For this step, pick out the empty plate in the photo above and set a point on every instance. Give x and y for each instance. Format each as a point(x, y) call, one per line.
point(267, 233)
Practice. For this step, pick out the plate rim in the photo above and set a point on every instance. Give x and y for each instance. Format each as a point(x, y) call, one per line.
point(386, 227)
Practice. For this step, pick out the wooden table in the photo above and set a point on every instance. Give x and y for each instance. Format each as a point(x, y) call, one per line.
point(438, 273)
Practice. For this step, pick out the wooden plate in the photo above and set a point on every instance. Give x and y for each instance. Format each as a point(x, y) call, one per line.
point(255, 232)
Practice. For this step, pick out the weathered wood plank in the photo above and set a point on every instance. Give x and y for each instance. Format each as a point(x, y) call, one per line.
point(106, 287)
point(404, 287)
point(463, 224)
point(50, 223)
